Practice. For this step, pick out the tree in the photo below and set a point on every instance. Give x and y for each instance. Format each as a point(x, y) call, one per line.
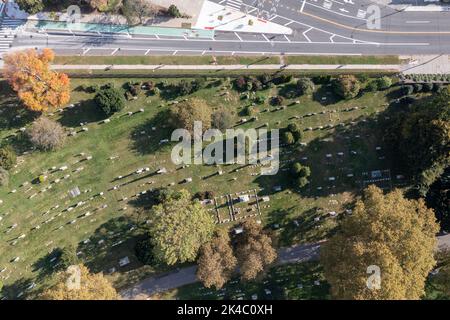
point(184, 114)
point(110, 100)
point(28, 72)
point(346, 86)
point(390, 232)
point(407, 90)
point(222, 119)
point(254, 250)
point(46, 134)
point(174, 12)
point(105, 5)
point(180, 226)
point(288, 137)
point(305, 86)
point(419, 137)
point(441, 281)
point(30, 6)
point(216, 262)
point(138, 10)
point(384, 83)
point(300, 174)
point(91, 286)
point(8, 157)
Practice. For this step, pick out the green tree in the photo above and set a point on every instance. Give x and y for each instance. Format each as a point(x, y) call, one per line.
point(8, 157)
point(390, 232)
point(67, 257)
point(346, 86)
point(305, 86)
point(180, 226)
point(288, 137)
point(174, 12)
point(384, 83)
point(254, 251)
point(110, 100)
point(216, 262)
point(30, 6)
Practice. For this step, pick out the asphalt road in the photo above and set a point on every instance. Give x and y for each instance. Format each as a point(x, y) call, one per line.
point(187, 275)
point(181, 277)
point(340, 29)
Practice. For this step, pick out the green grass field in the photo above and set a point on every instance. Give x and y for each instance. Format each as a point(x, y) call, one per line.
point(343, 60)
point(104, 227)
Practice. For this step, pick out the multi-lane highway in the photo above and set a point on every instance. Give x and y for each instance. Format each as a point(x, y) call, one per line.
point(319, 27)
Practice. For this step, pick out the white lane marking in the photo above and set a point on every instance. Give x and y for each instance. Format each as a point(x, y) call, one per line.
point(157, 37)
point(240, 39)
point(303, 6)
point(264, 36)
point(327, 4)
point(304, 34)
point(419, 22)
point(361, 14)
point(147, 52)
point(288, 23)
point(335, 12)
point(114, 51)
point(288, 40)
point(331, 38)
point(343, 10)
point(86, 51)
point(273, 17)
point(175, 52)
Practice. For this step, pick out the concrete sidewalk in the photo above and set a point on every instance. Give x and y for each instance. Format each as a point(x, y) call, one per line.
point(390, 67)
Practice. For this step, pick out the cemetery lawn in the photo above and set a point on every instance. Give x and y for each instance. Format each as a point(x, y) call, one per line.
point(301, 281)
point(110, 229)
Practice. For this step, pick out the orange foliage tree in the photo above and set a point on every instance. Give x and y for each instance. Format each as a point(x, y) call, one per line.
point(39, 88)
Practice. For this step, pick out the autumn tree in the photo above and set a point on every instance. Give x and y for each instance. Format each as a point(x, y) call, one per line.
point(222, 119)
point(46, 134)
point(38, 87)
point(179, 227)
point(346, 86)
point(388, 232)
point(255, 251)
point(184, 114)
point(88, 286)
point(30, 6)
point(216, 262)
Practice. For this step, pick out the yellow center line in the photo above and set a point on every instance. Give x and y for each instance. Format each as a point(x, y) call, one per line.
point(372, 30)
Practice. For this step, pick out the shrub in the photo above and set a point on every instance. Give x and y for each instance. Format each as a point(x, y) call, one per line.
point(321, 79)
point(301, 174)
point(346, 86)
point(384, 83)
point(222, 119)
point(305, 86)
point(282, 79)
point(110, 100)
point(240, 83)
point(277, 100)
point(184, 114)
point(372, 86)
point(260, 99)
point(417, 87)
point(4, 177)
point(437, 87)
point(46, 134)
point(203, 195)
point(288, 137)
point(407, 90)
point(174, 12)
point(250, 111)
point(8, 157)
point(293, 127)
point(427, 87)
point(92, 88)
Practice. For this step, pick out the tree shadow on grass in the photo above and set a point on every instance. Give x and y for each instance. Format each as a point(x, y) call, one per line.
point(13, 115)
point(47, 265)
point(85, 112)
point(326, 96)
point(146, 140)
point(19, 290)
point(111, 241)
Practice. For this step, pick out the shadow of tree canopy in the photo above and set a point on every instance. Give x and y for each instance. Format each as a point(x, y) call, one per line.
point(47, 265)
point(110, 242)
point(13, 115)
point(326, 91)
point(19, 290)
point(146, 140)
point(85, 111)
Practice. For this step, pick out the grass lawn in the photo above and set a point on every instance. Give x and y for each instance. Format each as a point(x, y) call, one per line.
point(342, 60)
point(170, 60)
point(104, 227)
point(288, 282)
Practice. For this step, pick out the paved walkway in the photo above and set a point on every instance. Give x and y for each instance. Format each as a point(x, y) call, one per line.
point(392, 67)
point(428, 64)
point(187, 275)
point(181, 277)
